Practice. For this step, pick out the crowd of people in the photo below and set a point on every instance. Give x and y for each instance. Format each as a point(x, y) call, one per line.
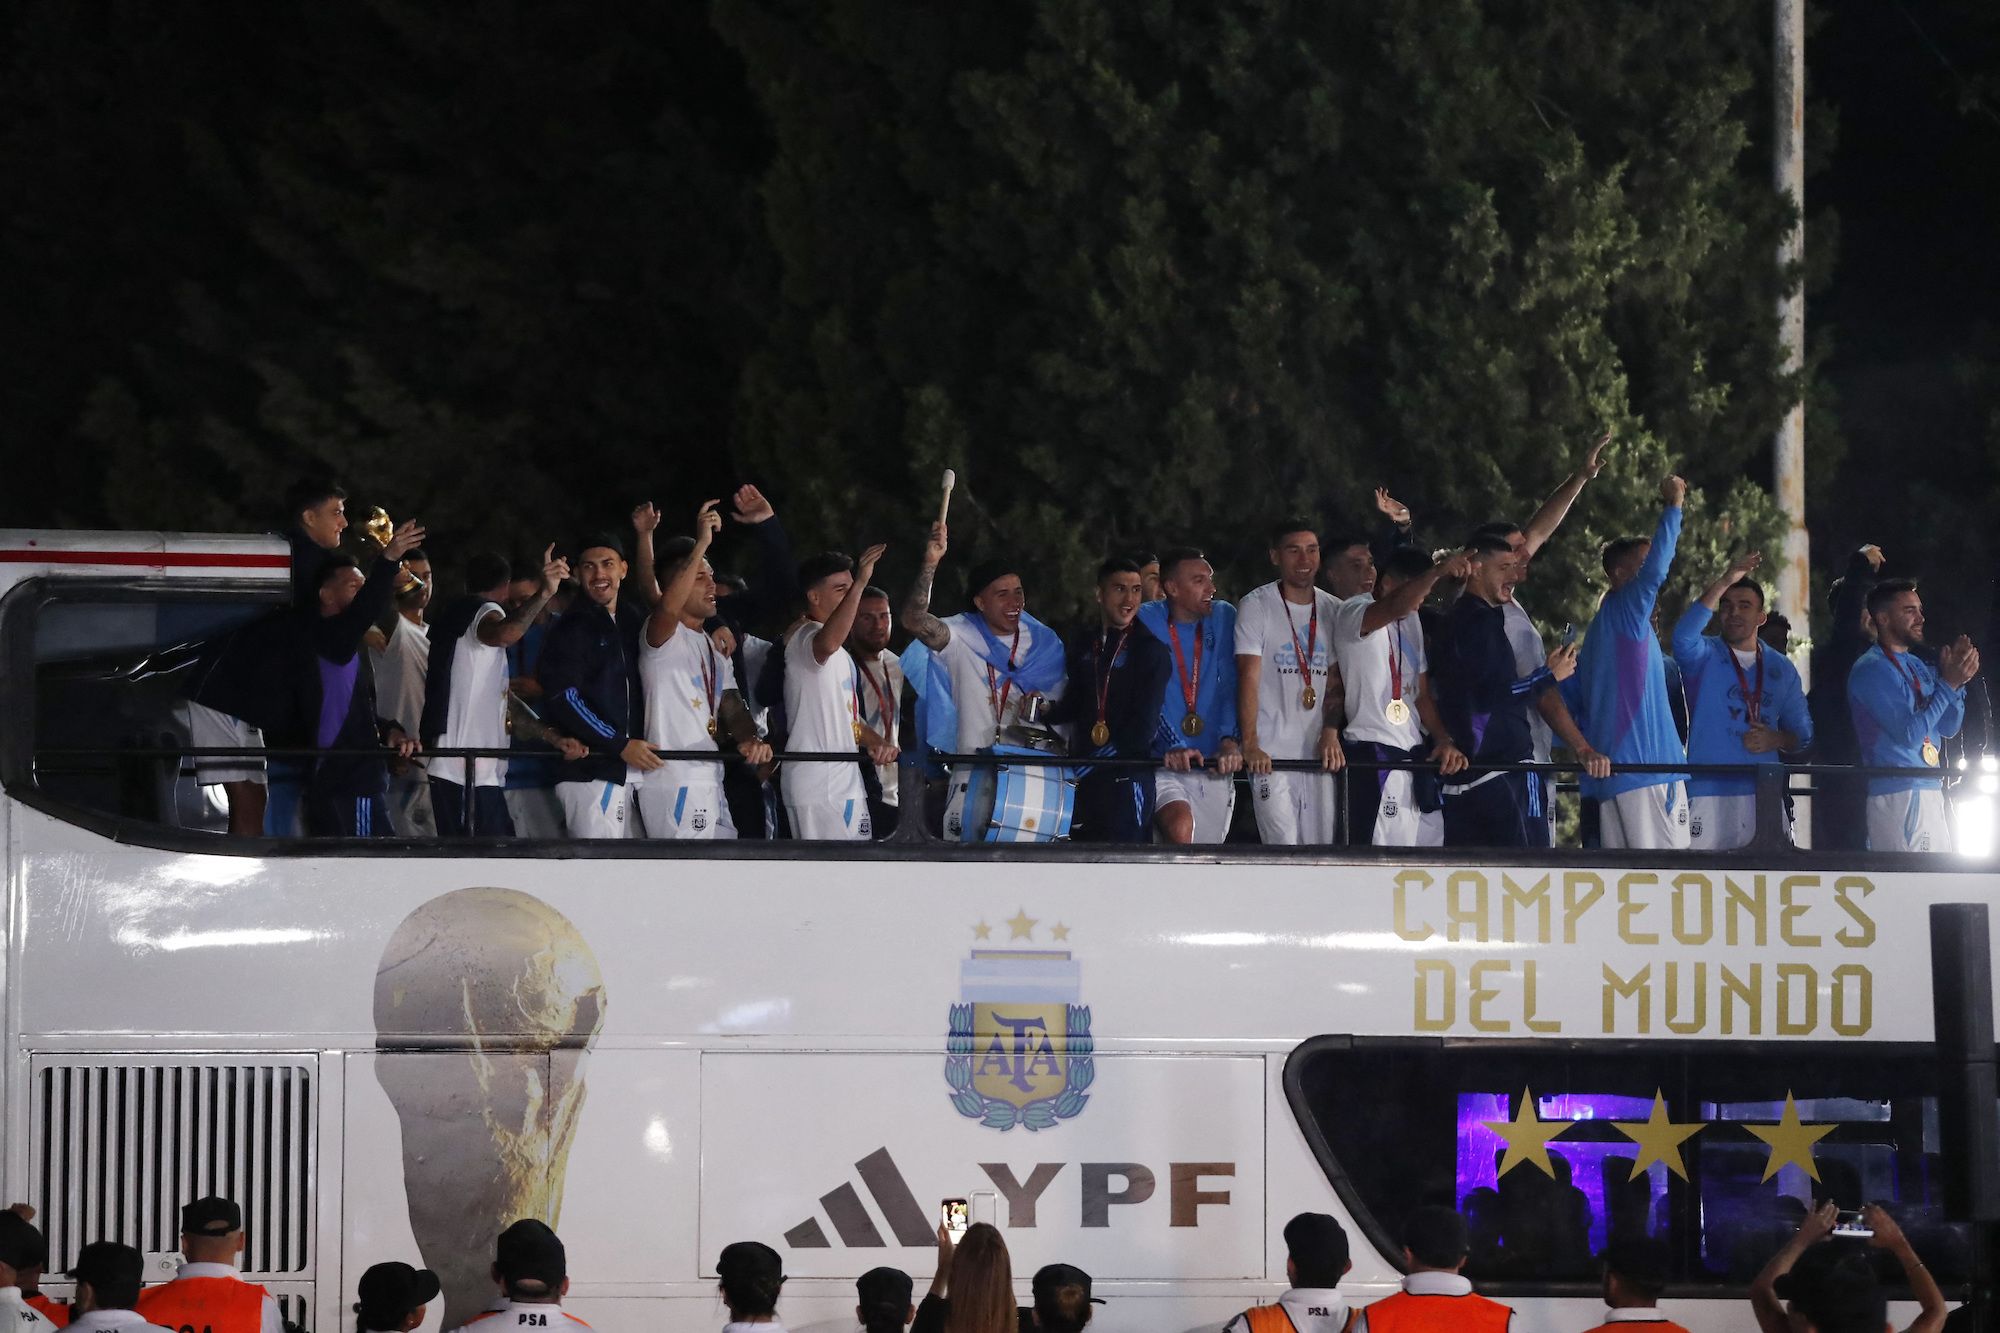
point(1816, 1283)
point(635, 691)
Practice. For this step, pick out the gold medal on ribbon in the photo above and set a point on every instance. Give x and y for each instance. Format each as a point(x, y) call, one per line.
point(1100, 733)
point(711, 727)
point(857, 733)
point(1191, 724)
point(1310, 697)
point(1931, 755)
point(1397, 712)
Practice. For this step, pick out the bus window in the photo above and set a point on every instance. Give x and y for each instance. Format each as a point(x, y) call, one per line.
point(111, 667)
point(1546, 1186)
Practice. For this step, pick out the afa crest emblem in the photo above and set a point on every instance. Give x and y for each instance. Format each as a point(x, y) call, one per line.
point(1019, 1048)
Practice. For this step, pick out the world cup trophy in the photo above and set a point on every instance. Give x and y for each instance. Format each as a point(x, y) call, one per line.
point(486, 1002)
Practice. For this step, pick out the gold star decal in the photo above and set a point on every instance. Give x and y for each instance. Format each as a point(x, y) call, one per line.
point(1659, 1139)
point(1059, 931)
point(1527, 1136)
point(982, 931)
point(1790, 1141)
point(1022, 925)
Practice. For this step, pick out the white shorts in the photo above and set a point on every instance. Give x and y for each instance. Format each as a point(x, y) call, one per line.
point(1209, 796)
point(1293, 809)
point(208, 727)
point(1653, 818)
point(536, 811)
point(1721, 823)
point(692, 811)
point(1917, 820)
point(846, 822)
point(597, 809)
point(1398, 822)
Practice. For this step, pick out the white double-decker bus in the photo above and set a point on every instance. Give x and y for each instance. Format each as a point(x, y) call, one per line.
point(1142, 1061)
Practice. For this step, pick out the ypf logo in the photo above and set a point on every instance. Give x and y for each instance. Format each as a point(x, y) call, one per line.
point(1019, 1048)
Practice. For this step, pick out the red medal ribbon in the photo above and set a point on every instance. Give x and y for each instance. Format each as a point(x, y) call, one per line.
point(1396, 663)
point(1916, 688)
point(1189, 686)
point(1103, 681)
point(709, 672)
point(884, 702)
point(1753, 700)
point(999, 701)
point(1312, 636)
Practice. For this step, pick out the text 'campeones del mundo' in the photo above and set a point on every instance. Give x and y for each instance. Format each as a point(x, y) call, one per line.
point(1688, 954)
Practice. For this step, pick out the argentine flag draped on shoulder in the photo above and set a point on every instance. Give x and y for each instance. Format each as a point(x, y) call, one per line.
point(1040, 669)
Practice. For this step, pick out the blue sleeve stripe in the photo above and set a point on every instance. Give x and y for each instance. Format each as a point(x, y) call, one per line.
point(590, 719)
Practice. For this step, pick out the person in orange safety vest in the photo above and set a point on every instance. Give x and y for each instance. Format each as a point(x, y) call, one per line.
point(1635, 1273)
point(208, 1294)
point(1315, 1261)
point(1436, 1297)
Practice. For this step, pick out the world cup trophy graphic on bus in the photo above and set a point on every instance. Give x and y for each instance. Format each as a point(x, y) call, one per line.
point(486, 1002)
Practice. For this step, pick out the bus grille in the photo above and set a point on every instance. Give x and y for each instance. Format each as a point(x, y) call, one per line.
point(118, 1143)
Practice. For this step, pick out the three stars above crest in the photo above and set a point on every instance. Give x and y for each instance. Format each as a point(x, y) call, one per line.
point(1021, 926)
point(1659, 1138)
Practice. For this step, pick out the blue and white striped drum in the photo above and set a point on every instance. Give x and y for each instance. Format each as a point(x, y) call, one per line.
point(1019, 802)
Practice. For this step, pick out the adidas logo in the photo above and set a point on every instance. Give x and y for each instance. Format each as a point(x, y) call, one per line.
point(851, 1222)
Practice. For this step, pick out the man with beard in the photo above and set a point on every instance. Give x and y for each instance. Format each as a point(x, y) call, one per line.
point(1284, 657)
point(1117, 674)
point(1904, 711)
point(591, 693)
point(881, 694)
point(985, 665)
point(465, 699)
point(692, 701)
point(1197, 739)
point(1745, 704)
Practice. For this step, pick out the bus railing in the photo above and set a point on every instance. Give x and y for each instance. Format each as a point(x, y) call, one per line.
point(1773, 784)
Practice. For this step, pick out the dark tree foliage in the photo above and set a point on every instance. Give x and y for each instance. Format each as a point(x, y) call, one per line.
point(1145, 271)
point(494, 266)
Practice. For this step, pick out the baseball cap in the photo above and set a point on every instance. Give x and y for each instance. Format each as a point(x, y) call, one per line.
point(750, 1262)
point(529, 1252)
point(608, 540)
point(883, 1289)
point(108, 1266)
point(1052, 1278)
point(1836, 1288)
point(21, 1245)
point(1317, 1246)
point(211, 1216)
point(390, 1291)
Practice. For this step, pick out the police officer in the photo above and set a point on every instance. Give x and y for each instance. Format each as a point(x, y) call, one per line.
point(19, 1243)
point(208, 1294)
point(1315, 1261)
point(532, 1270)
point(394, 1298)
point(107, 1287)
point(1436, 1297)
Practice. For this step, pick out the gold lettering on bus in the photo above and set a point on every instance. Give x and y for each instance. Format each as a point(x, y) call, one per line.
point(1457, 914)
point(1405, 881)
point(1639, 988)
point(1529, 1003)
point(1535, 897)
point(1576, 902)
point(1800, 1021)
point(1695, 890)
point(1671, 1002)
point(1736, 900)
point(1629, 908)
point(1437, 984)
point(1853, 1018)
point(1845, 891)
point(1750, 993)
point(1482, 993)
point(1790, 911)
